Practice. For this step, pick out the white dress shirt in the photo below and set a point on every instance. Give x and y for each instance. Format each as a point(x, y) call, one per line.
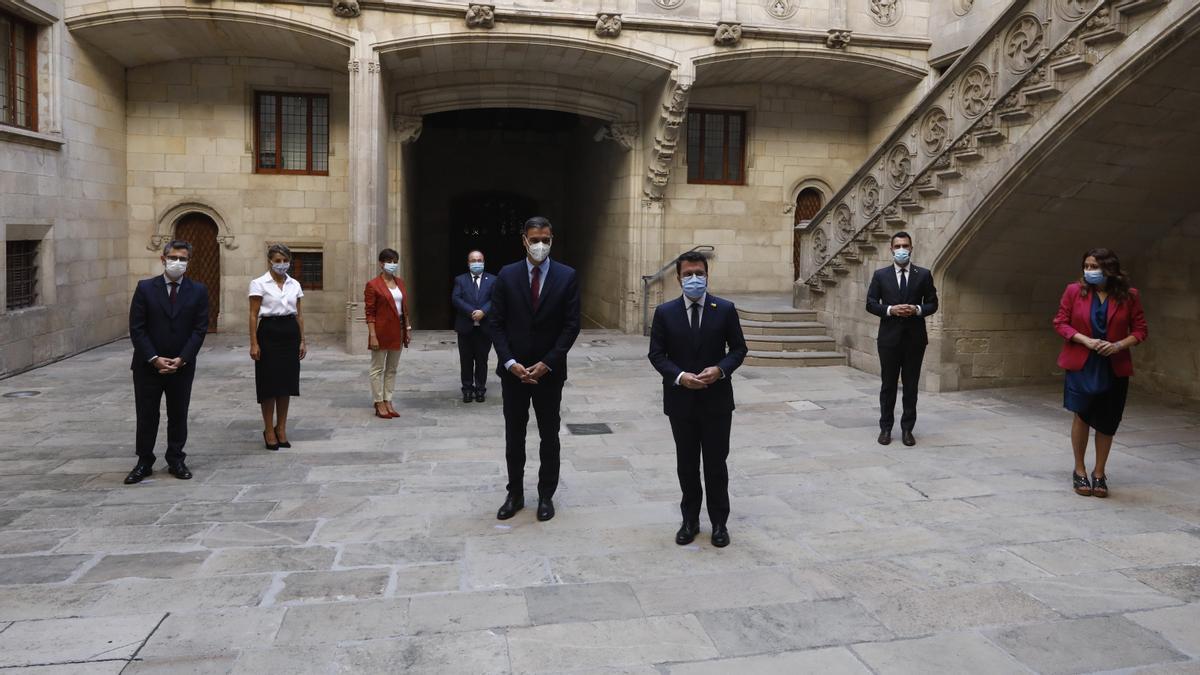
point(897, 269)
point(545, 267)
point(179, 284)
point(687, 312)
point(276, 301)
point(398, 298)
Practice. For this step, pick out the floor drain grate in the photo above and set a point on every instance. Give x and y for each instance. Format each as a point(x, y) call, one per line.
point(589, 429)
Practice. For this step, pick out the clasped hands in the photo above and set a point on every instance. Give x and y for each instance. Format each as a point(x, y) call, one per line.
point(1103, 347)
point(529, 375)
point(477, 315)
point(706, 377)
point(166, 366)
point(904, 310)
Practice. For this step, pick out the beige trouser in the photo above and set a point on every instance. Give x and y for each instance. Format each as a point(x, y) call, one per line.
point(383, 373)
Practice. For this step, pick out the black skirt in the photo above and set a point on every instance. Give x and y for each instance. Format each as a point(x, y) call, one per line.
point(1103, 411)
point(277, 371)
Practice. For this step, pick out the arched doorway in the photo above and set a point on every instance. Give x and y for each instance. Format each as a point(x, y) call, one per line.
point(201, 232)
point(808, 203)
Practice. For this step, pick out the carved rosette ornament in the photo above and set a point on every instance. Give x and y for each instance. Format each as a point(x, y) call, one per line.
point(1024, 42)
point(935, 128)
point(885, 12)
point(820, 246)
point(608, 25)
point(975, 91)
point(837, 38)
point(962, 7)
point(782, 9)
point(868, 196)
point(669, 4)
point(347, 9)
point(481, 16)
point(899, 166)
point(728, 34)
point(843, 223)
point(1073, 9)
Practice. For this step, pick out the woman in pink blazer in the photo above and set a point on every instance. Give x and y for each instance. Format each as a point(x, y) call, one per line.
point(1100, 317)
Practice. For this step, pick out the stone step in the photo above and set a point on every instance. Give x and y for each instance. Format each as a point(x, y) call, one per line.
point(782, 327)
point(790, 343)
point(795, 359)
point(776, 315)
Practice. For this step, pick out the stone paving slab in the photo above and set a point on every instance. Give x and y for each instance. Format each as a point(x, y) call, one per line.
point(372, 545)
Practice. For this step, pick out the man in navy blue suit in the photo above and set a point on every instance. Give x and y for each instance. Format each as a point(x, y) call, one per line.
point(696, 343)
point(168, 320)
point(472, 300)
point(535, 320)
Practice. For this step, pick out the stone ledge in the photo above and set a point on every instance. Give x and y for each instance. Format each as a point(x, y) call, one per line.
point(27, 137)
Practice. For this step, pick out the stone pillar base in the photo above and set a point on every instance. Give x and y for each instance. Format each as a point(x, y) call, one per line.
point(356, 329)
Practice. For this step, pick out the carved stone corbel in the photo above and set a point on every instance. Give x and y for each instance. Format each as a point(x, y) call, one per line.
point(228, 241)
point(481, 16)
point(347, 9)
point(728, 34)
point(407, 127)
point(608, 25)
point(352, 66)
point(373, 67)
point(838, 38)
point(674, 108)
point(624, 134)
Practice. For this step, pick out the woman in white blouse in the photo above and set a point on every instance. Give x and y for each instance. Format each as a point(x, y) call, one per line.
point(276, 343)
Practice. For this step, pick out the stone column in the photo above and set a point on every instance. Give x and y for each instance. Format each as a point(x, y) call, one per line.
point(367, 187)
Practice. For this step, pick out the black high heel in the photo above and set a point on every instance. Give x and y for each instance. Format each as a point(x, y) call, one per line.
point(282, 444)
point(269, 446)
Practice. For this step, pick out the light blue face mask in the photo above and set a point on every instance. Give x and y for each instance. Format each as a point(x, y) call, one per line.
point(694, 286)
point(1094, 277)
point(475, 267)
point(902, 255)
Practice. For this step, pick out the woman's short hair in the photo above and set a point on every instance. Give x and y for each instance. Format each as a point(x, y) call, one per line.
point(280, 249)
point(1116, 282)
point(389, 255)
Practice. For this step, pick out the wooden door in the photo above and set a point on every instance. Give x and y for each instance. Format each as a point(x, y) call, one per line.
point(201, 232)
point(808, 203)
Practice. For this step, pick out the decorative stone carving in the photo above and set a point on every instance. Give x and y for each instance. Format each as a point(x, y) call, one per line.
point(899, 166)
point(352, 66)
point(347, 9)
point(820, 246)
point(962, 7)
point(373, 67)
point(843, 223)
point(1099, 20)
point(837, 38)
point(481, 16)
point(658, 171)
point(868, 196)
point(1073, 9)
point(625, 134)
point(728, 34)
point(885, 12)
point(975, 90)
point(1023, 44)
point(407, 127)
point(608, 25)
point(782, 9)
point(669, 4)
point(935, 128)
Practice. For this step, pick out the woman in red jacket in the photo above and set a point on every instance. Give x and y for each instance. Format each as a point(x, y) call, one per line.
point(1100, 317)
point(386, 301)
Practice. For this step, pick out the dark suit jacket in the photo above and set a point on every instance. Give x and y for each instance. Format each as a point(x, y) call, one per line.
point(885, 291)
point(674, 349)
point(546, 335)
point(467, 299)
point(158, 327)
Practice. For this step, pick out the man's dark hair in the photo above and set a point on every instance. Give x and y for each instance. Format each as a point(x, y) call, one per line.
point(389, 255)
point(690, 256)
point(537, 223)
point(900, 235)
point(475, 250)
point(176, 244)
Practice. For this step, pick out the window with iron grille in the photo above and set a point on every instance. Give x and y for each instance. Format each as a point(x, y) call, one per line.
point(716, 151)
point(21, 287)
point(18, 72)
point(291, 133)
point(308, 267)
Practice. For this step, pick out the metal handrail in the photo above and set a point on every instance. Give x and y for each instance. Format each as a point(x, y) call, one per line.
point(648, 279)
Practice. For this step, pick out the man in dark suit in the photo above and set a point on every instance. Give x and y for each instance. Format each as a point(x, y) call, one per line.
point(901, 295)
point(168, 320)
point(472, 299)
point(535, 320)
point(696, 343)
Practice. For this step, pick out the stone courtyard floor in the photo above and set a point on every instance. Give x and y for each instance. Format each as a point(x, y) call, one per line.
point(372, 545)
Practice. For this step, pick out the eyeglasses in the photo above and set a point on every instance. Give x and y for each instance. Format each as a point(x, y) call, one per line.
point(177, 258)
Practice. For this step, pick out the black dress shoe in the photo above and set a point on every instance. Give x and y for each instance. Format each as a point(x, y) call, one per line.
point(720, 536)
point(180, 471)
point(545, 509)
point(480, 397)
point(907, 438)
point(141, 471)
point(510, 507)
point(467, 396)
point(885, 437)
point(687, 532)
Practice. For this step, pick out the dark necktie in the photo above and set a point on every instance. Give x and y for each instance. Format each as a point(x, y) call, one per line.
point(904, 283)
point(476, 283)
point(535, 287)
point(174, 287)
point(695, 317)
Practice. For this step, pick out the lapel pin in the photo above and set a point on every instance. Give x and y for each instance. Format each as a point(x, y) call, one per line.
point(713, 305)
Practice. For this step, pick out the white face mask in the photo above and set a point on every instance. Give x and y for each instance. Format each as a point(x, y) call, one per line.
point(391, 268)
point(281, 268)
point(539, 251)
point(176, 268)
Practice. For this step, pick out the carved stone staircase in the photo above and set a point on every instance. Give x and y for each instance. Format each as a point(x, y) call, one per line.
point(780, 335)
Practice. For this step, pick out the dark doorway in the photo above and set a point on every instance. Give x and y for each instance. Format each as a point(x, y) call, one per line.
point(490, 222)
point(201, 232)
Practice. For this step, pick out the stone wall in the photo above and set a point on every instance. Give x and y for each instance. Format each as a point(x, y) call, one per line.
point(190, 140)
